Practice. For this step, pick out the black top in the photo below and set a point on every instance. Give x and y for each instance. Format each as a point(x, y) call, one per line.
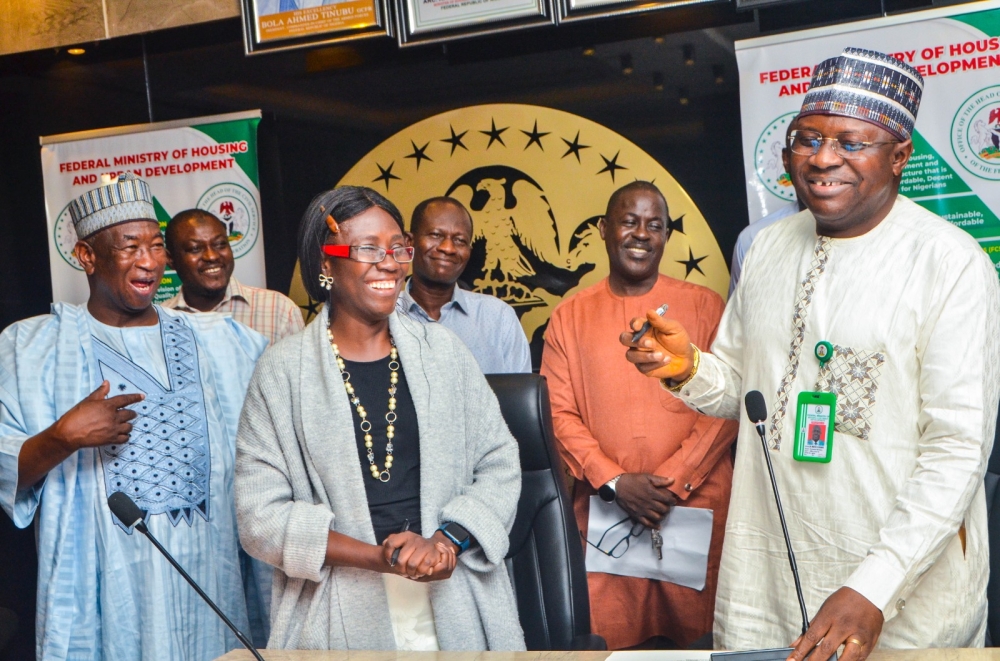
point(398, 500)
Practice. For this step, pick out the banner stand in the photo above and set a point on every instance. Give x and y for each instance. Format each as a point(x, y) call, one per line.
point(204, 162)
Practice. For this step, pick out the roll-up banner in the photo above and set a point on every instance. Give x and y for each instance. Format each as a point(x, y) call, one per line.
point(955, 167)
point(205, 162)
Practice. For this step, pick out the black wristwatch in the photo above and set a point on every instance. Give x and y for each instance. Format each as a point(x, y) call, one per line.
point(458, 535)
point(608, 492)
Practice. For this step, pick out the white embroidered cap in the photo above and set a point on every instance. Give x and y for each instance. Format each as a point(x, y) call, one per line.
point(119, 200)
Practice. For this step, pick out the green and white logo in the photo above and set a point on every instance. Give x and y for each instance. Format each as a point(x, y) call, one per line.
point(767, 158)
point(65, 237)
point(235, 206)
point(975, 133)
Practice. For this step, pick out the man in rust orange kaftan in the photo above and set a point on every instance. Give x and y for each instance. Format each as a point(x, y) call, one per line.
point(618, 429)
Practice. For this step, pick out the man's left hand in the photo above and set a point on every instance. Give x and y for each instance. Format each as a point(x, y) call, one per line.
point(846, 618)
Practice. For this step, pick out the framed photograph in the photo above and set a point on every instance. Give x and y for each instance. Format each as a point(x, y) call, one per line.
point(429, 21)
point(576, 10)
point(280, 25)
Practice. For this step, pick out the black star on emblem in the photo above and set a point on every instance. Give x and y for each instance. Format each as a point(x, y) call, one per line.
point(674, 226)
point(385, 175)
point(455, 140)
point(691, 263)
point(419, 153)
point(494, 134)
point(610, 165)
point(535, 137)
point(122, 387)
point(311, 308)
point(574, 147)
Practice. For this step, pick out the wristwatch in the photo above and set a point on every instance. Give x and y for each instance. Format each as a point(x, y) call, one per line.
point(458, 535)
point(608, 492)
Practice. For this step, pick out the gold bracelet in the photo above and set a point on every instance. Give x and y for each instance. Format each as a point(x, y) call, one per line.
point(695, 362)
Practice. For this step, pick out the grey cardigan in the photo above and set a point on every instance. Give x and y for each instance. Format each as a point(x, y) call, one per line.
point(298, 476)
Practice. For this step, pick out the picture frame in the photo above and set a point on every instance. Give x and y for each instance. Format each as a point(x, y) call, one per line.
point(578, 10)
point(271, 26)
point(436, 21)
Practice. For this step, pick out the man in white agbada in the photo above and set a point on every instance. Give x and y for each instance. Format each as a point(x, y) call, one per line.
point(890, 536)
point(165, 436)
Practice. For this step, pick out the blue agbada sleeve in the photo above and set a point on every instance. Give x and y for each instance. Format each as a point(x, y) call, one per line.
point(29, 344)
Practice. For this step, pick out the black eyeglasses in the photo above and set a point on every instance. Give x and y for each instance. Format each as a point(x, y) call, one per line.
point(621, 546)
point(846, 145)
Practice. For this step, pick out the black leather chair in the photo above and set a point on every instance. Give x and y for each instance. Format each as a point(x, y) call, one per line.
point(993, 510)
point(545, 560)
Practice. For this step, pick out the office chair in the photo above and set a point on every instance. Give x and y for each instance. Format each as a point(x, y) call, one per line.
point(545, 560)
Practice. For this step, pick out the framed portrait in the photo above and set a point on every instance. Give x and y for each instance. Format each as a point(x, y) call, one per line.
point(280, 25)
point(430, 21)
point(576, 10)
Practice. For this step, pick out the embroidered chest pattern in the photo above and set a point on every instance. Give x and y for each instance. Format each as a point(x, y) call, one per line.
point(853, 375)
point(166, 464)
point(807, 287)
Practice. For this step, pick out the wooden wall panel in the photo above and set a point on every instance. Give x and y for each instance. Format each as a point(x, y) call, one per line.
point(34, 24)
point(137, 16)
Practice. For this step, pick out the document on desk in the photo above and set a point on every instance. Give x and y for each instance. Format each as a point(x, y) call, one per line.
point(686, 532)
point(661, 655)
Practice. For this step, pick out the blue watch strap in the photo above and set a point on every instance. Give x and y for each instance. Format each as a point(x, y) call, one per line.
point(462, 545)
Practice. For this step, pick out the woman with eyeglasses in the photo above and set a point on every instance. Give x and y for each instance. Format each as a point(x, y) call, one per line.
point(374, 470)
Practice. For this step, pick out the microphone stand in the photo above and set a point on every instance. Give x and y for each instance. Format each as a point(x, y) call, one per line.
point(141, 527)
point(784, 529)
point(757, 412)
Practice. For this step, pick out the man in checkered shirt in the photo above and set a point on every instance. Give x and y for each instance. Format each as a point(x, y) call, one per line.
point(198, 249)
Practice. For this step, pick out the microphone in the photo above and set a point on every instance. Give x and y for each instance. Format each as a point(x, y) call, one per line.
point(129, 514)
point(757, 412)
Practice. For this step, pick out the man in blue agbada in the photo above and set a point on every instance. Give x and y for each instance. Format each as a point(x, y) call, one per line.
point(122, 395)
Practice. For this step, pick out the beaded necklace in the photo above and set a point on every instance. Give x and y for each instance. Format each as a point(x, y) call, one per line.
point(366, 425)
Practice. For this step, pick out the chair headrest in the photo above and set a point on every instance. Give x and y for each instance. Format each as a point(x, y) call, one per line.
point(524, 402)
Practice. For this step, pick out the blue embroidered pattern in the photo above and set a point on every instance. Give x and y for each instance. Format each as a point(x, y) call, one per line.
point(165, 466)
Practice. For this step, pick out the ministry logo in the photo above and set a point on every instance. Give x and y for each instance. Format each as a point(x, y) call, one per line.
point(767, 158)
point(64, 235)
point(236, 207)
point(975, 133)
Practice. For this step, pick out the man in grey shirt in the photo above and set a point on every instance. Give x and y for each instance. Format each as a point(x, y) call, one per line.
point(441, 232)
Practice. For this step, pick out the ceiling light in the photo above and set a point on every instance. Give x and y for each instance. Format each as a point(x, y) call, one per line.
point(717, 71)
point(682, 96)
point(589, 51)
point(76, 51)
point(626, 60)
point(688, 52)
point(657, 81)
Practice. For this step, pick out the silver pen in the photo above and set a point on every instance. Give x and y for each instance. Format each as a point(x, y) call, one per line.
point(662, 310)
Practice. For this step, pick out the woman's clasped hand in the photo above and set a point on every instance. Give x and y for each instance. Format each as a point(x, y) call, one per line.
point(420, 558)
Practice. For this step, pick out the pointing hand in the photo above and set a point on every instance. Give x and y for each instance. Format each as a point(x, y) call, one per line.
point(97, 421)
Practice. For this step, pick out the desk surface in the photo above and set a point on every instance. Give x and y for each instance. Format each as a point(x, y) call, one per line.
point(992, 654)
point(312, 655)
